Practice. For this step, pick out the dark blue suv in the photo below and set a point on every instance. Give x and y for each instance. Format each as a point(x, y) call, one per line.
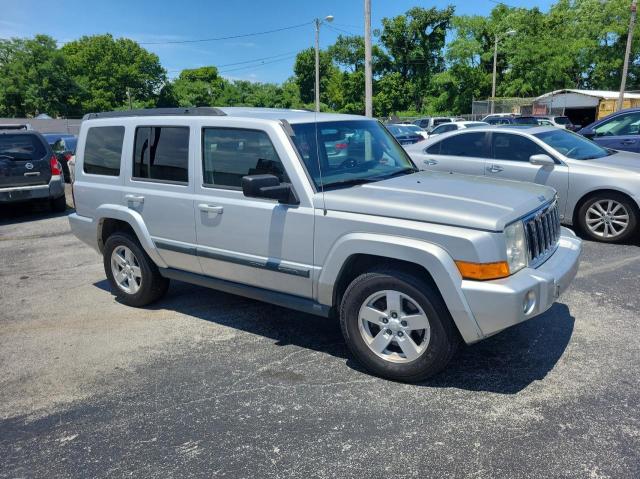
point(619, 131)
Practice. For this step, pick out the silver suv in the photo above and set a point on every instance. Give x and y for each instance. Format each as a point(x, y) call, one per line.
point(322, 213)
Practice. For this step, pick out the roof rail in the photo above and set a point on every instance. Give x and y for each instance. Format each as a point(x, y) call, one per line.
point(195, 111)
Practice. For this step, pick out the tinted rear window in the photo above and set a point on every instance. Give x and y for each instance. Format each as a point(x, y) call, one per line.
point(103, 150)
point(21, 147)
point(162, 153)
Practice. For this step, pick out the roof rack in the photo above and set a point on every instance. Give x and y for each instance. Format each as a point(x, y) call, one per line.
point(196, 111)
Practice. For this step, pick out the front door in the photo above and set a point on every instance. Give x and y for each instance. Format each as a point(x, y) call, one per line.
point(510, 153)
point(258, 242)
point(622, 132)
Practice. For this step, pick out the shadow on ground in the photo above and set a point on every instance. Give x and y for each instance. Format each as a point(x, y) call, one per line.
point(15, 213)
point(505, 363)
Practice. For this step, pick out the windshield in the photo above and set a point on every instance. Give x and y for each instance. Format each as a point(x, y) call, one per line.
point(572, 145)
point(349, 152)
point(525, 120)
point(21, 147)
point(413, 128)
point(562, 120)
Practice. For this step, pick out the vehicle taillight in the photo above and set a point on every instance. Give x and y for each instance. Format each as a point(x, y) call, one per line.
point(67, 156)
point(341, 146)
point(56, 169)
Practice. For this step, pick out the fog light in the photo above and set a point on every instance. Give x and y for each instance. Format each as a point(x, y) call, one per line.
point(529, 302)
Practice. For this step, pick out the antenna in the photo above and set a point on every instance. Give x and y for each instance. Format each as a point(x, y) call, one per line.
point(315, 123)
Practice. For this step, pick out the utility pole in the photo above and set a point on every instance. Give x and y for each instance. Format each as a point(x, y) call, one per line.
point(495, 63)
point(625, 67)
point(129, 98)
point(318, 22)
point(368, 75)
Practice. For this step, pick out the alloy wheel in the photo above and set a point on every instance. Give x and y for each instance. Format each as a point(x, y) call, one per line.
point(126, 269)
point(607, 219)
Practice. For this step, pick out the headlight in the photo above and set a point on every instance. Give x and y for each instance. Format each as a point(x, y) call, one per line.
point(516, 246)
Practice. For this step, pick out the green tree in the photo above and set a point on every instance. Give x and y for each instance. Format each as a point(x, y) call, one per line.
point(34, 78)
point(196, 87)
point(415, 44)
point(105, 68)
point(305, 68)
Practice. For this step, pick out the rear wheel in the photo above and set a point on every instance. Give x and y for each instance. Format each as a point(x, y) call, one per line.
point(397, 326)
point(134, 278)
point(608, 217)
point(59, 204)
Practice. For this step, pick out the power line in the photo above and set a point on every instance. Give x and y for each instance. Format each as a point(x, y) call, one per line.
point(243, 62)
point(259, 65)
point(231, 37)
point(340, 30)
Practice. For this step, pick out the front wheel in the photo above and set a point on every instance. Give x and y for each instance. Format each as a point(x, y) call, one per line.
point(608, 217)
point(134, 278)
point(397, 326)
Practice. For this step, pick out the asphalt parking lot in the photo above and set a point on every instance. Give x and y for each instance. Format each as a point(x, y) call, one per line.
point(205, 384)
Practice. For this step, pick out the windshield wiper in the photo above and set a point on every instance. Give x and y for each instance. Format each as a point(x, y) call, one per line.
point(406, 171)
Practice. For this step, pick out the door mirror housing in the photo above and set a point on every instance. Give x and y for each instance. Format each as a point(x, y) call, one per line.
point(541, 160)
point(587, 132)
point(269, 187)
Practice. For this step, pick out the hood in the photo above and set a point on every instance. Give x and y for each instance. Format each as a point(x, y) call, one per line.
point(445, 198)
point(620, 159)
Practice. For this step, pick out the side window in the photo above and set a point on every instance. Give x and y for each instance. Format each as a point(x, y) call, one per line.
point(228, 154)
point(433, 149)
point(446, 127)
point(103, 150)
point(626, 124)
point(507, 146)
point(161, 153)
point(465, 144)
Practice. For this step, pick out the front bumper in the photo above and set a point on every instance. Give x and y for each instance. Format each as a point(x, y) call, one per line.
point(498, 304)
point(54, 189)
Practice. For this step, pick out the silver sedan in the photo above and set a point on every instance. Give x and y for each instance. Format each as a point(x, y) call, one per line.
point(598, 188)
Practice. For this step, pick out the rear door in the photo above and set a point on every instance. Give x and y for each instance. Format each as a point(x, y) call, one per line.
point(24, 160)
point(464, 152)
point(510, 153)
point(622, 132)
point(159, 186)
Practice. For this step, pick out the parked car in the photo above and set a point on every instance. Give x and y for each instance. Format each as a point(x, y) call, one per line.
point(493, 116)
point(558, 121)
point(620, 130)
point(428, 123)
point(598, 189)
point(64, 147)
point(457, 125)
point(404, 135)
point(416, 129)
point(245, 200)
point(29, 170)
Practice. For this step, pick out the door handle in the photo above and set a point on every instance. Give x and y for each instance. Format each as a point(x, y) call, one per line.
point(134, 198)
point(430, 162)
point(628, 142)
point(210, 208)
point(494, 169)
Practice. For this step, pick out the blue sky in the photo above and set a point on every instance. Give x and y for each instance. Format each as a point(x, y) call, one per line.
point(153, 21)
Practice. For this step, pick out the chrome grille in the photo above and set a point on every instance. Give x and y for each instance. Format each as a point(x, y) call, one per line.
point(542, 230)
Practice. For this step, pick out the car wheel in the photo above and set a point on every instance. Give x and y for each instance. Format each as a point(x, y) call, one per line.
point(59, 205)
point(134, 278)
point(608, 217)
point(397, 326)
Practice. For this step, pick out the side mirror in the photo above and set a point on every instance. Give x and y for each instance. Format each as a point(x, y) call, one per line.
point(268, 186)
point(587, 132)
point(541, 160)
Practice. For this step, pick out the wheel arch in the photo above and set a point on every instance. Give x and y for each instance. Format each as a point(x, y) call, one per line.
point(112, 218)
point(354, 253)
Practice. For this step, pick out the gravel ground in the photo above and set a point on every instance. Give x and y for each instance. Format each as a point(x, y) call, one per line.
point(205, 384)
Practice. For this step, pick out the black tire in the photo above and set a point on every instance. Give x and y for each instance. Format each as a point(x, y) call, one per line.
point(152, 285)
point(628, 204)
point(444, 338)
point(59, 205)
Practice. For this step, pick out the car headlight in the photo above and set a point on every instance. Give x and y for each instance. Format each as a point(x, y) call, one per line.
point(516, 246)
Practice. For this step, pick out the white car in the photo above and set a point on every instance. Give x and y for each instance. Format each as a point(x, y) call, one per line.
point(458, 125)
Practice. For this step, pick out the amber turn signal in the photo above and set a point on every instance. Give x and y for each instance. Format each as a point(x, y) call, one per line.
point(483, 271)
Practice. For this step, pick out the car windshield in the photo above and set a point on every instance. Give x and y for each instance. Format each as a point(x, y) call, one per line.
point(413, 128)
point(572, 145)
point(525, 120)
point(349, 152)
point(398, 130)
point(562, 120)
point(21, 147)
